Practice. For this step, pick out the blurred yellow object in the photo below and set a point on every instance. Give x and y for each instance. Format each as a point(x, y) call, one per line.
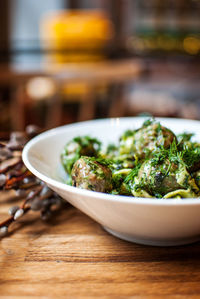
point(191, 45)
point(76, 35)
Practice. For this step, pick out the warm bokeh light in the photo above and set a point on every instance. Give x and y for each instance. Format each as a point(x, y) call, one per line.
point(164, 42)
point(191, 45)
point(80, 34)
point(40, 88)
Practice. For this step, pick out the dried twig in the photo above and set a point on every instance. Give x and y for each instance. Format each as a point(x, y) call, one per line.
point(14, 175)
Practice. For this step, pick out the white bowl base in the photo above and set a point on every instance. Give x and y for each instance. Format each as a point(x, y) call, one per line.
point(177, 242)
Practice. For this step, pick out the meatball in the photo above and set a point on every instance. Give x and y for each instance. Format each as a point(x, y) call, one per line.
point(91, 175)
point(163, 177)
point(191, 156)
point(143, 141)
point(77, 147)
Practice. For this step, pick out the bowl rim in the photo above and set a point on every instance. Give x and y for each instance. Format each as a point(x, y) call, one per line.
point(99, 195)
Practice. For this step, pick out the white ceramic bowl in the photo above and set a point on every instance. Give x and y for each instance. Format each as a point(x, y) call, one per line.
point(161, 222)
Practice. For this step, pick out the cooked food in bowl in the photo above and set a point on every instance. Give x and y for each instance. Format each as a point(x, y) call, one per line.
point(150, 161)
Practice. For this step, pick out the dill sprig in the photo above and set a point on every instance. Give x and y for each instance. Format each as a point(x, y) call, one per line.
point(148, 122)
point(130, 177)
point(102, 161)
point(85, 141)
point(184, 137)
point(172, 154)
point(128, 133)
point(191, 155)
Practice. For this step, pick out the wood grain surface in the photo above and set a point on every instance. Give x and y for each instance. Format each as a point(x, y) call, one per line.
point(73, 257)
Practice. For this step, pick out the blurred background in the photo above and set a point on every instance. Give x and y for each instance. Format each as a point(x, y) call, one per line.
point(63, 61)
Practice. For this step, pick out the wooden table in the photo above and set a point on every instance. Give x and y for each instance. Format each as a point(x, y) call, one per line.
point(73, 257)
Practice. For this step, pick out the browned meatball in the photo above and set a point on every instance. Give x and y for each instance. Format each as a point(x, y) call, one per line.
point(161, 177)
point(91, 175)
point(77, 147)
point(146, 139)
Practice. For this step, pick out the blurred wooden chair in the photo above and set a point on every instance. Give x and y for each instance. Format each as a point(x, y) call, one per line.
point(94, 75)
point(107, 73)
point(75, 67)
point(77, 40)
